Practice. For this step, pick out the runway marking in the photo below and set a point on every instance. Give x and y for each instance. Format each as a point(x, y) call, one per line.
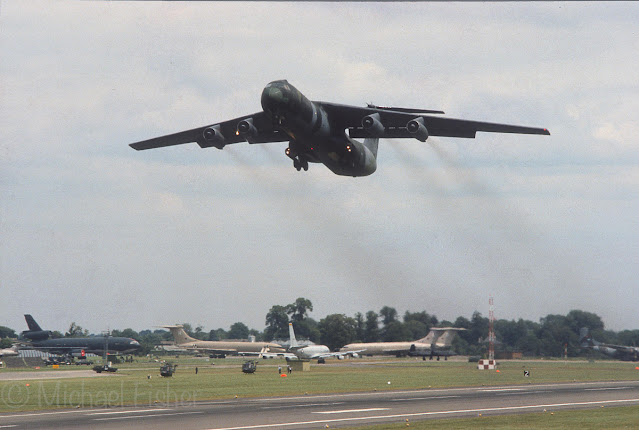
point(146, 416)
point(347, 411)
point(423, 398)
point(10, 425)
point(519, 393)
point(132, 411)
point(302, 405)
point(381, 417)
point(35, 414)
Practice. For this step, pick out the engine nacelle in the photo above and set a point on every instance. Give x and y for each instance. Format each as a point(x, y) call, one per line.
point(36, 335)
point(417, 128)
point(213, 137)
point(246, 129)
point(372, 125)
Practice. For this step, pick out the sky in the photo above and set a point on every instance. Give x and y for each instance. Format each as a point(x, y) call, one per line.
point(94, 232)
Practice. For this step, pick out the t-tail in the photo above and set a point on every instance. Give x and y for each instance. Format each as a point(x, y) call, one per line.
point(179, 334)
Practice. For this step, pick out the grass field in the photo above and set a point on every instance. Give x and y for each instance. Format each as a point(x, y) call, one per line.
point(602, 418)
point(131, 385)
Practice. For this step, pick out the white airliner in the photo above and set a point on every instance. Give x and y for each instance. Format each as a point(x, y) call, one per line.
point(310, 352)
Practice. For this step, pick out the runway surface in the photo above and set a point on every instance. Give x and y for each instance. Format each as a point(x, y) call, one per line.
point(337, 410)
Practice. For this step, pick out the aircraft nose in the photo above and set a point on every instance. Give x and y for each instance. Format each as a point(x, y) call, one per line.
point(274, 98)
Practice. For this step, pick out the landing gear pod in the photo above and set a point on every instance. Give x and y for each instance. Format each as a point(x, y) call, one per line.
point(417, 128)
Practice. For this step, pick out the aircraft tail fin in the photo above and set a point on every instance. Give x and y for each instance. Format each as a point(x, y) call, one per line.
point(33, 325)
point(585, 337)
point(446, 338)
point(441, 336)
point(179, 334)
point(291, 335)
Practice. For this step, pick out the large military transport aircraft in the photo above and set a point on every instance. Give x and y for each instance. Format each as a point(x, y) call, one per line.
point(620, 352)
point(39, 339)
point(322, 132)
point(221, 348)
point(437, 343)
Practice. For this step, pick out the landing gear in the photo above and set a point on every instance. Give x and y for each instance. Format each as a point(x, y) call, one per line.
point(298, 162)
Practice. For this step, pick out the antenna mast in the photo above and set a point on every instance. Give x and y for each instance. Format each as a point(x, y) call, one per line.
point(491, 330)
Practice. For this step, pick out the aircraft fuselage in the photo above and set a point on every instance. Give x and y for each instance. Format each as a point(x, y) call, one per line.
point(314, 137)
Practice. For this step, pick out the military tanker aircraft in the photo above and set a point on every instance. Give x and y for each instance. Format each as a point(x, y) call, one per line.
point(322, 132)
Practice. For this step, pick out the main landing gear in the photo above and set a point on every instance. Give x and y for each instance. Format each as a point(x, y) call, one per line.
point(298, 162)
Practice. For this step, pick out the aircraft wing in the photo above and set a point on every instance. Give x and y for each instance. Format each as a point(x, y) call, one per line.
point(228, 129)
point(339, 355)
point(394, 122)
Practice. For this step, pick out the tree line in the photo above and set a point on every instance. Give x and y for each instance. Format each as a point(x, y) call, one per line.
point(550, 337)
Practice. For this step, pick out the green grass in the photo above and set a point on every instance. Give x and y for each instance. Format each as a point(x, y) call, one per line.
point(131, 386)
point(601, 418)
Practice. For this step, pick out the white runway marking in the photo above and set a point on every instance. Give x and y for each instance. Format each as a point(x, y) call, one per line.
point(424, 414)
point(302, 405)
point(146, 416)
point(423, 398)
point(35, 414)
point(347, 411)
point(133, 411)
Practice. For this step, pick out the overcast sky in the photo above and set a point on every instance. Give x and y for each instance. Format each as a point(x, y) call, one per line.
point(94, 232)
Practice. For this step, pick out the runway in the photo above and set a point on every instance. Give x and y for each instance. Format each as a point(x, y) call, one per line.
point(337, 410)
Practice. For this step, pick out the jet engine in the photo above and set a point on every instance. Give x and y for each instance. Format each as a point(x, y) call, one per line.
point(246, 129)
point(373, 125)
point(36, 335)
point(417, 128)
point(213, 137)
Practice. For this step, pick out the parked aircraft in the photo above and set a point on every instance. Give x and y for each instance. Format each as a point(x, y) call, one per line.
point(319, 352)
point(7, 352)
point(437, 343)
point(317, 131)
point(221, 348)
point(36, 338)
point(620, 352)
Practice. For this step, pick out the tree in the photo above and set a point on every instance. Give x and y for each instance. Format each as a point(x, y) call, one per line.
point(577, 319)
point(276, 323)
point(239, 330)
point(371, 327)
point(7, 332)
point(217, 334)
point(388, 315)
point(307, 329)
point(299, 309)
point(337, 330)
point(76, 331)
point(359, 326)
point(395, 331)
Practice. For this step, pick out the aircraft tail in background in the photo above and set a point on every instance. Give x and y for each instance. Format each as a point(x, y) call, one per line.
point(31, 322)
point(291, 335)
point(179, 334)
